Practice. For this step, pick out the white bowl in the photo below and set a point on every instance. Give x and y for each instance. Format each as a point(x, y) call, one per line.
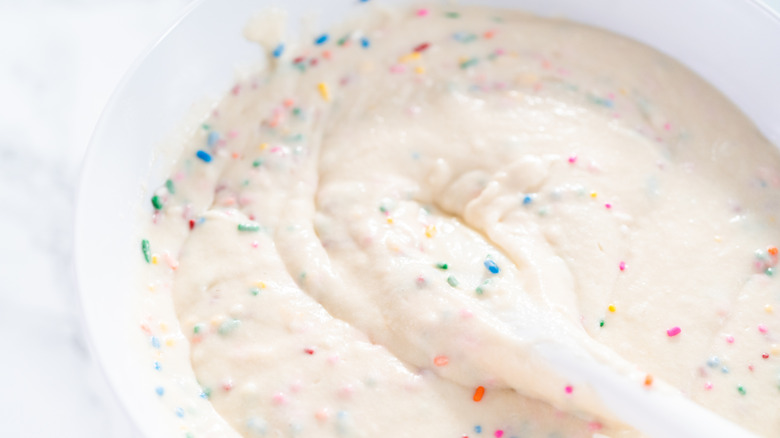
point(733, 44)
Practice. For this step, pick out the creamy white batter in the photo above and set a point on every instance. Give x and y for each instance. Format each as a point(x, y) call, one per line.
point(369, 238)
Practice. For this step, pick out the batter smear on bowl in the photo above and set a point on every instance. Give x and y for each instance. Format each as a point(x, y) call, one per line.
point(371, 237)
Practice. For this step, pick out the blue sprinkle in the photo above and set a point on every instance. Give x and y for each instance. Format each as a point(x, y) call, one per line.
point(322, 39)
point(365, 42)
point(491, 266)
point(204, 395)
point(179, 412)
point(155, 342)
point(478, 429)
point(160, 391)
point(527, 199)
point(725, 370)
point(205, 156)
point(713, 362)
point(157, 365)
point(278, 50)
point(363, 1)
point(212, 139)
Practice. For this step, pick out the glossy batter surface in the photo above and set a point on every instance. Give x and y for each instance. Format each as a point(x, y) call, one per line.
point(369, 238)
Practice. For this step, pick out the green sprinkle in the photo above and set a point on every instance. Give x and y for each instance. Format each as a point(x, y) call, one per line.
point(601, 323)
point(228, 326)
point(343, 40)
point(257, 163)
point(255, 291)
point(383, 209)
point(479, 290)
point(189, 435)
point(442, 266)
point(145, 249)
point(249, 226)
point(205, 126)
point(452, 15)
point(296, 112)
point(452, 281)
point(157, 202)
point(206, 392)
point(469, 63)
point(169, 185)
point(770, 271)
point(741, 389)
point(197, 329)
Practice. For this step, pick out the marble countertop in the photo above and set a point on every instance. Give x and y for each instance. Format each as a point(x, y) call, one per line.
point(59, 63)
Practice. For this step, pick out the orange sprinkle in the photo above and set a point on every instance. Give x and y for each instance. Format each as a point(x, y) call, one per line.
point(440, 361)
point(490, 34)
point(326, 54)
point(288, 103)
point(479, 393)
point(648, 380)
point(772, 250)
point(235, 155)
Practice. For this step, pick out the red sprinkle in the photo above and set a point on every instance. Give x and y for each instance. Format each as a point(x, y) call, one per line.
point(440, 361)
point(308, 351)
point(422, 47)
point(674, 331)
point(765, 355)
point(192, 224)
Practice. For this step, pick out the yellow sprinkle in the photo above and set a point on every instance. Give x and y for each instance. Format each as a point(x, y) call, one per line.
point(154, 259)
point(260, 284)
point(324, 92)
point(430, 230)
point(410, 57)
point(593, 194)
point(419, 69)
point(775, 350)
point(768, 308)
point(718, 239)
point(170, 342)
point(263, 146)
point(623, 91)
point(151, 287)
point(611, 308)
point(389, 220)
point(163, 327)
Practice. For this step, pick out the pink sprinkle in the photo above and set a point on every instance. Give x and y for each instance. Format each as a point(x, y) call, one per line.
point(667, 126)
point(236, 89)
point(708, 386)
point(594, 425)
point(762, 328)
point(422, 12)
point(276, 149)
point(730, 339)
point(569, 389)
point(608, 205)
point(500, 52)
point(499, 433)
point(232, 134)
point(573, 159)
point(674, 331)
point(255, 244)
point(750, 367)
point(622, 266)
point(278, 398)
point(398, 68)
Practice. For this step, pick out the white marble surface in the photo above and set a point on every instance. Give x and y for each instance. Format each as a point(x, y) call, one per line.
point(59, 62)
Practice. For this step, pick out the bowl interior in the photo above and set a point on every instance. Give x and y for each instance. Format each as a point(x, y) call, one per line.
point(196, 58)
